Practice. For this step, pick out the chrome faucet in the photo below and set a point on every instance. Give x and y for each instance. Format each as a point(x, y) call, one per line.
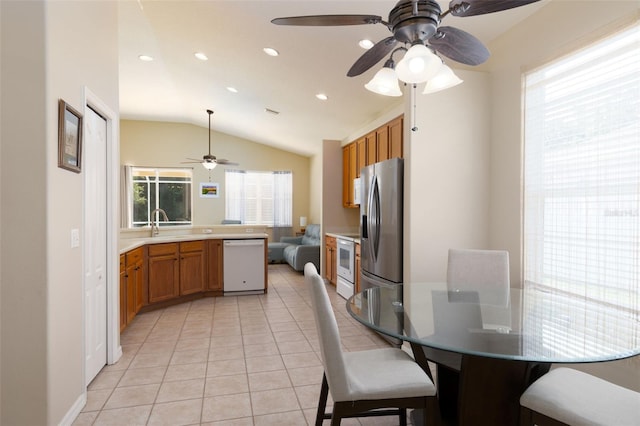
point(155, 226)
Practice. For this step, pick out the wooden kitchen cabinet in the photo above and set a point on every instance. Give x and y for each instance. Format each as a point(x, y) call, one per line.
point(330, 261)
point(371, 148)
point(349, 170)
point(361, 155)
point(132, 285)
point(356, 272)
point(134, 260)
point(215, 264)
point(382, 143)
point(164, 272)
point(192, 267)
point(123, 293)
point(396, 146)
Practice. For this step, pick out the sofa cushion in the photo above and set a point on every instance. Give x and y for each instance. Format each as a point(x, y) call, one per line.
point(311, 235)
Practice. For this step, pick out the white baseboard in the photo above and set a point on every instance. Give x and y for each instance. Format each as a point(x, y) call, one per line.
point(75, 410)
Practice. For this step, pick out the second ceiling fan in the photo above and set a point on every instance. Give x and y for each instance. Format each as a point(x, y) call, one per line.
point(210, 161)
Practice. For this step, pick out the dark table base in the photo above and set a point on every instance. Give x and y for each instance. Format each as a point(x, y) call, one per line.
point(475, 390)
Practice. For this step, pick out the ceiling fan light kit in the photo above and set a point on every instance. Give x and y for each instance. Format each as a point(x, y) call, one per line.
point(385, 82)
point(416, 23)
point(418, 65)
point(444, 79)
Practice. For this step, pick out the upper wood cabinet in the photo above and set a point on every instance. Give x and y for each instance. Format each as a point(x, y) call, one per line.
point(396, 130)
point(381, 144)
point(361, 154)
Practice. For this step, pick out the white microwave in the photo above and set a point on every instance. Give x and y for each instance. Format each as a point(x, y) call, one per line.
point(356, 191)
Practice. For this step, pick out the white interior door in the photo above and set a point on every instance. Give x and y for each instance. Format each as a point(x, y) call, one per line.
point(95, 242)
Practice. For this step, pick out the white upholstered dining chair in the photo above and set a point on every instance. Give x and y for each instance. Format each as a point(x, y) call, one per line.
point(485, 272)
point(565, 396)
point(361, 383)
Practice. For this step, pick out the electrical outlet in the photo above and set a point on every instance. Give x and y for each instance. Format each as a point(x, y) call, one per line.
point(75, 238)
point(249, 230)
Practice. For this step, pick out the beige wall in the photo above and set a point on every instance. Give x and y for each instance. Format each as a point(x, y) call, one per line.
point(50, 50)
point(446, 175)
point(558, 28)
point(162, 144)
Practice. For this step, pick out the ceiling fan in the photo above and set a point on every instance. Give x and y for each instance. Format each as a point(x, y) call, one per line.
point(417, 23)
point(210, 161)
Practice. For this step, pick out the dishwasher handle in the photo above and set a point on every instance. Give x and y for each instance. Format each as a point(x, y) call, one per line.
point(230, 243)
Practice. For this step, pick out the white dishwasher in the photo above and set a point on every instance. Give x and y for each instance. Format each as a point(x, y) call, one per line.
point(244, 267)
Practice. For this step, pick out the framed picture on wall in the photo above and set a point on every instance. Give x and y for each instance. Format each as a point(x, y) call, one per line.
point(69, 137)
point(209, 190)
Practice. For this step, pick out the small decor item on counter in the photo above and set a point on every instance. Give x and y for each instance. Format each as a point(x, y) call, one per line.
point(303, 223)
point(209, 190)
point(69, 137)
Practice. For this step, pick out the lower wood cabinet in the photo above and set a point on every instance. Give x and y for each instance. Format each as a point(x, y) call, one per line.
point(133, 282)
point(123, 293)
point(192, 267)
point(215, 262)
point(164, 272)
point(330, 261)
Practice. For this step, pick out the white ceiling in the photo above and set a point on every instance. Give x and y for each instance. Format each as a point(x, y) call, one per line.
point(178, 87)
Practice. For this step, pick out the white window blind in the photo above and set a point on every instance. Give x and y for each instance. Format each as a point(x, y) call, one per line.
point(582, 182)
point(259, 198)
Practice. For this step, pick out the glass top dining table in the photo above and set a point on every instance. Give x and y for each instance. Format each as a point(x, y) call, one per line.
point(535, 324)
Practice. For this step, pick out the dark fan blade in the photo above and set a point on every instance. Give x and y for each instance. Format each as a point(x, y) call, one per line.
point(481, 7)
point(328, 20)
point(373, 56)
point(224, 162)
point(459, 45)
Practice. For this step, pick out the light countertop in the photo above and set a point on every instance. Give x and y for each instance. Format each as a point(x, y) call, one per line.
point(355, 237)
point(126, 244)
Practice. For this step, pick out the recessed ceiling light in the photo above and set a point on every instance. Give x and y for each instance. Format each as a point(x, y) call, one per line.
point(270, 51)
point(232, 89)
point(201, 56)
point(322, 96)
point(365, 44)
point(145, 58)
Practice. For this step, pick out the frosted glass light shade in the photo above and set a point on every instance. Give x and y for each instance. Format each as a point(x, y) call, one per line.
point(209, 165)
point(385, 82)
point(418, 65)
point(444, 79)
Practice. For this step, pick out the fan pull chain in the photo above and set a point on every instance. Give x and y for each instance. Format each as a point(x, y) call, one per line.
point(414, 128)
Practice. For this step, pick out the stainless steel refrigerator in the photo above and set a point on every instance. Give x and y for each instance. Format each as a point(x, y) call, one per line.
point(381, 223)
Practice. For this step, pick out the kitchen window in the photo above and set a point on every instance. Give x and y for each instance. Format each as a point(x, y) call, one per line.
point(168, 189)
point(259, 197)
point(582, 181)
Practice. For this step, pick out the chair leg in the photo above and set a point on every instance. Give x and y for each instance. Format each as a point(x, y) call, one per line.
point(403, 416)
point(322, 403)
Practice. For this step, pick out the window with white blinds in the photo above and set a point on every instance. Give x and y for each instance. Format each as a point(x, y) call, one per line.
point(259, 198)
point(582, 178)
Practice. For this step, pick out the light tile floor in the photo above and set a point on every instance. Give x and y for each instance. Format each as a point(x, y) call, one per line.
point(245, 360)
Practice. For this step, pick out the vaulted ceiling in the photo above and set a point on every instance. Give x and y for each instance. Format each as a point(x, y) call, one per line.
point(176, 86)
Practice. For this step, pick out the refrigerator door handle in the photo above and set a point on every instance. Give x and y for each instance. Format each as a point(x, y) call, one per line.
point(374, 218)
